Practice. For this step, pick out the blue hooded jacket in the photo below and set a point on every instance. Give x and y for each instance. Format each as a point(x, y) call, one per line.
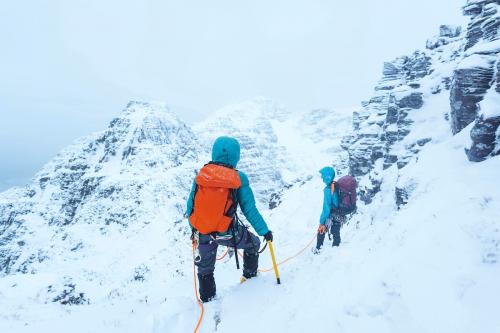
point(226, 150)
point(328, 174)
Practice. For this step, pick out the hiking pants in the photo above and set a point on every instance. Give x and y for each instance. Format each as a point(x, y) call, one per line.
point(333, 224)
point(245, 240)
point(207, 248)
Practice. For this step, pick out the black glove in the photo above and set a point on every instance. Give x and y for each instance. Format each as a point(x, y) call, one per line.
point(268, 236)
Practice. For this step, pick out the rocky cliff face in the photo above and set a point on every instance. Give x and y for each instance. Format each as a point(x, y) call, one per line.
point(381, 139)
point(461, 67)
point(475, 86)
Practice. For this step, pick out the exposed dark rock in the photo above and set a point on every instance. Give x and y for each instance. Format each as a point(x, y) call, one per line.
point(141, 272)
point(413, 101)
point(422, 142)
point(366, 194)
point(485, 138)
point(275, 200)
point(401, 197)
point(447, 34)
point(491, 25)
point(469, 85)
point(69, 296)
point(384, 122)
point(497, 89)
point(474, 31)
point(450, 31)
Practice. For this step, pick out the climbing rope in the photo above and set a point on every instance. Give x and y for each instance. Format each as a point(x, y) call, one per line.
point(196, 291)
point(225, 254)
point(290, 258)
point(287, 259)
point(222, 257)
point(228, 249)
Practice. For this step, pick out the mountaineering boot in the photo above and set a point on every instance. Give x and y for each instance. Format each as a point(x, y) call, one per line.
point(250, 264)
point(207, 287)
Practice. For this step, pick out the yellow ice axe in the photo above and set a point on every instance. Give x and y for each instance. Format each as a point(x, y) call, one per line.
point(274, 262)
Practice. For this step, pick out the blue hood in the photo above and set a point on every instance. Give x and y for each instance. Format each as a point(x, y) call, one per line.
point(226, 150)
point(327, 174)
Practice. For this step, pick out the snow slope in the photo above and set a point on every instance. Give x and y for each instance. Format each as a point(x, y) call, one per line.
point(430, 267)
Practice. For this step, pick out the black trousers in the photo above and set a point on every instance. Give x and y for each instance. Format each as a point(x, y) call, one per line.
point(334, 225)
point(207, 248)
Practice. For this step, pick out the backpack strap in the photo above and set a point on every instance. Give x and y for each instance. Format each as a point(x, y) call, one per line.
point(233, 196)
point(334, 189)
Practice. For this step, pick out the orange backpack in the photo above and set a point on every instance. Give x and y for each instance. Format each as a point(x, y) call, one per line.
point(215, 198)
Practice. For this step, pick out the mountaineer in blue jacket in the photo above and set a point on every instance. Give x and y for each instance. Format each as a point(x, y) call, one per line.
point(217, 191)
point(329, 219)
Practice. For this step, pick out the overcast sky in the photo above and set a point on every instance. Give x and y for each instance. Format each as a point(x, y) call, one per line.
point(68, 67)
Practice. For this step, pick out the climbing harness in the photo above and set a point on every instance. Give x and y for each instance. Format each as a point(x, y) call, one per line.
point(195, 237)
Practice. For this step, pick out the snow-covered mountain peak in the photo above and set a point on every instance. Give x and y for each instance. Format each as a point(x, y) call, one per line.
point(124, 177)
point(143, 123)
point(138, 112)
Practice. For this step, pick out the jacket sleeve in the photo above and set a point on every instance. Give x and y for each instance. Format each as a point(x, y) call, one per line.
point(190, 201)
point(327, 205)
point(247, 205)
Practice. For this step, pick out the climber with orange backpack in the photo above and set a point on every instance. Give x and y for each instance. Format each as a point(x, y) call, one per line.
point(339, 201)
point(217, 191)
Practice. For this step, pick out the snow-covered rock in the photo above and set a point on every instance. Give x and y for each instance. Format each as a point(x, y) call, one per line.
point(475, 93)
point(381, 137)
point(99, 197)
point(460, 67)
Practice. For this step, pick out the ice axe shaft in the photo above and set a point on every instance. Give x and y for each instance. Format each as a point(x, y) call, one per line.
point(271, 249)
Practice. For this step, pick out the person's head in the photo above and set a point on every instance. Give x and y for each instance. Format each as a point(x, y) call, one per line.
point(226, 150)
point(327, 174)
